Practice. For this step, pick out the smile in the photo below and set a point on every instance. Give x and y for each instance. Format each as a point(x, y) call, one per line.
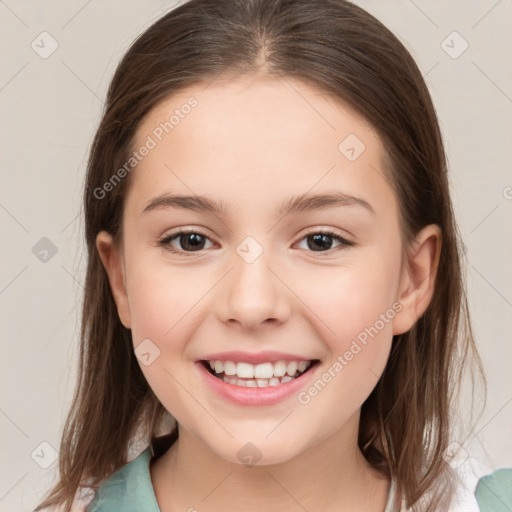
point(262, 375)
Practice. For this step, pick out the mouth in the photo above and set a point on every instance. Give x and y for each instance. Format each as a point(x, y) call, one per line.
point(263, 375)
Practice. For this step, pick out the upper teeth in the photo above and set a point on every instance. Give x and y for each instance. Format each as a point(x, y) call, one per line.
point(259, 371)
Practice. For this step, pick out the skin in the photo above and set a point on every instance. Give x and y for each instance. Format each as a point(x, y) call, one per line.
point(252, 143)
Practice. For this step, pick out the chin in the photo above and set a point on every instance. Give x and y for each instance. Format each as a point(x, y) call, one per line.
point(253, 452)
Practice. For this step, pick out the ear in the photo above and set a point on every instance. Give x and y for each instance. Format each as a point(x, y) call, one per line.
point(418, 278)
point(112, 260)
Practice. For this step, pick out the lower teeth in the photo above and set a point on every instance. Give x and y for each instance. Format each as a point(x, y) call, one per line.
point(256, 383)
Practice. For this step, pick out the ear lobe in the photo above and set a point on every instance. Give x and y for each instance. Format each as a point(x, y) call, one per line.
point(418, 279)
point(112, 261)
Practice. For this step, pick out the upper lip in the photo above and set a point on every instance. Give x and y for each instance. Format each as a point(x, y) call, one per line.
point(254, 357)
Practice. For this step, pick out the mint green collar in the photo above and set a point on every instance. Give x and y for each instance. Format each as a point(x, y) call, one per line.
point(129, 489)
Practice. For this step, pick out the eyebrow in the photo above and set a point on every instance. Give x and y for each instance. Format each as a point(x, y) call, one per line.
point(297, 204)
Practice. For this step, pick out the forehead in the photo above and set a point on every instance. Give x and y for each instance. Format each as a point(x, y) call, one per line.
point(256, 138)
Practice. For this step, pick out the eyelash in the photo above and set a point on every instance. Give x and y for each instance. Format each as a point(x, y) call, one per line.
point(165, 241)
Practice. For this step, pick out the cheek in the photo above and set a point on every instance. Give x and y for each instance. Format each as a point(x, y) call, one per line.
point(163, 309)
point(351, 299)
point(356, 353)
point(354, 309)
point(162, 300)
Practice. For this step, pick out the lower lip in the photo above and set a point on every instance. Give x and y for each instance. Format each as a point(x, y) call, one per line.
point(255, 396)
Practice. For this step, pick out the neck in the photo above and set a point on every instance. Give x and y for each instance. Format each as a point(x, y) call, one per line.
point(332, 475)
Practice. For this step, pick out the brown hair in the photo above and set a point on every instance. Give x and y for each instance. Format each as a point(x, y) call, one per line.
point(343, 51)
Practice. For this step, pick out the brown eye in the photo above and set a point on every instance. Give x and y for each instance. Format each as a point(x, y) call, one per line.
point(187, 241)
point(191, 241)
point(322, 241)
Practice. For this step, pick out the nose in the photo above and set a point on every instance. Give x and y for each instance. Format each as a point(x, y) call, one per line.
point(254, 294)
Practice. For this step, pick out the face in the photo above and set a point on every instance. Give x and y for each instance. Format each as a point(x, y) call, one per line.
point(271, 282)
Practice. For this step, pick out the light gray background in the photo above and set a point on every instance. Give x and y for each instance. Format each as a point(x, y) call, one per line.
point(50, 108)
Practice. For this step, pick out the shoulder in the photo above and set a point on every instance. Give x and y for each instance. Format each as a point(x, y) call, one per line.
point(128, 489)
point(494, 491)
point(80, 503)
